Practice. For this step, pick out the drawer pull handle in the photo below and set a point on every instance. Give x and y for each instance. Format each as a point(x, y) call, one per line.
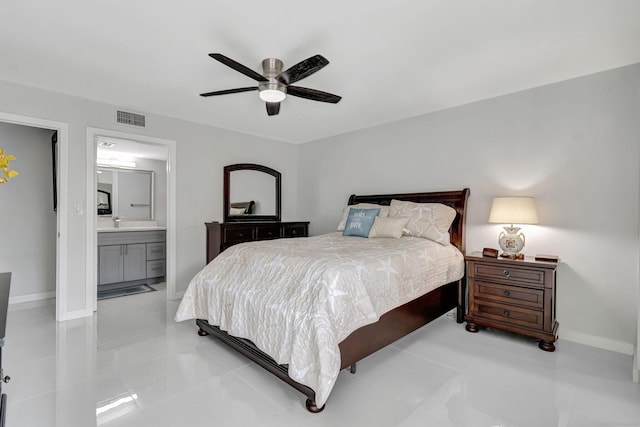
point(506, 273)
point(506, 313)
point(240, 235)
point(294, 232)
point(506, 293)
point(269, 233)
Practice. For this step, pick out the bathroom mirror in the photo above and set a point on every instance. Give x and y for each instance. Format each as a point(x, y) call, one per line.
point(125, 193)
point(251, 193)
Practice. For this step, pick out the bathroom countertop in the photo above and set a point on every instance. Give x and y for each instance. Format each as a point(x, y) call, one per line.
point(125, 229)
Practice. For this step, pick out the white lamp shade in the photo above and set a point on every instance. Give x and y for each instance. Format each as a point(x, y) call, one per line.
point(513, 210)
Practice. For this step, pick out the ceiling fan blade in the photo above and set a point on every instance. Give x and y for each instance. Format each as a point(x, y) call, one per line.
point(312, 94)
point(302, 69)
point(238, 67)
point(273, 108)
point(228, 91)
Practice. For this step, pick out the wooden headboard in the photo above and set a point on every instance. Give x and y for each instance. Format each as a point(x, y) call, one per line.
point(456, 199)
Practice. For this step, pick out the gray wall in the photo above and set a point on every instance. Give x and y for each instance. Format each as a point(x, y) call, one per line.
point(27, 219)
point(201, 153)
point(574, 146)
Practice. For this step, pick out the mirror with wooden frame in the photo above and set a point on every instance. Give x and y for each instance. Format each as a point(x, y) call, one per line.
point(251, 193)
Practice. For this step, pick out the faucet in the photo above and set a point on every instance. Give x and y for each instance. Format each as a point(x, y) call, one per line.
point(116, 222)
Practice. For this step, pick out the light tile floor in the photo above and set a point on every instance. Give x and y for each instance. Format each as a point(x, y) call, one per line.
point(132, 365)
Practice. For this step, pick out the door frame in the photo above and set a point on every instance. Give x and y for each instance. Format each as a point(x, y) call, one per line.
point(62, 241)
point(91, 224)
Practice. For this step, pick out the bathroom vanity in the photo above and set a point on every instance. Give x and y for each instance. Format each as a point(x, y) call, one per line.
point(130, 256)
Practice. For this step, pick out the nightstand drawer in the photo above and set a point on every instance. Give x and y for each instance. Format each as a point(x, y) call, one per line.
point(238, 234)
point(509, 314)
point(268, 232)
point(533, 298)
point(490, 271)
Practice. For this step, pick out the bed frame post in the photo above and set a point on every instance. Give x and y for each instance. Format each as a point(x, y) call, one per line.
point(461, 309)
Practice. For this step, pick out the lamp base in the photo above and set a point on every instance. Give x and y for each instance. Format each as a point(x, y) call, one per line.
point(511, 241)
point(519, 256)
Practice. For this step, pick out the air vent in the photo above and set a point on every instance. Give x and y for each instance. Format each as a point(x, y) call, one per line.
point(131, 119)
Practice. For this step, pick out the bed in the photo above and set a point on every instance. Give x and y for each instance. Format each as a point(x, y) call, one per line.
point(307, 347)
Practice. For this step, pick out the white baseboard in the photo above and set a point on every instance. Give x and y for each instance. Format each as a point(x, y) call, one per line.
point(32, 297)
point(178, 296)
point(599, 342)
point(78, 314)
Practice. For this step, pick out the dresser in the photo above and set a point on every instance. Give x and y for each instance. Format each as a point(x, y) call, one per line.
point(513, 295)
point(221, 235)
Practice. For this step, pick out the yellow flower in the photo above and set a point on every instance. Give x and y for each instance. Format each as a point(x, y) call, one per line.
point(4, 166)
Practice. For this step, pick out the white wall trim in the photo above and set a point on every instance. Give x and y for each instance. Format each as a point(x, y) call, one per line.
point(32, 297)
point(599, 342)
point(91, 231)
point(62, 245)
point(172, 293)
point(636, 354)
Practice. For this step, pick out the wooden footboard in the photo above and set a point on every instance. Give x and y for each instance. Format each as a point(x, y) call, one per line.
point(248, 349)
point(364, 341)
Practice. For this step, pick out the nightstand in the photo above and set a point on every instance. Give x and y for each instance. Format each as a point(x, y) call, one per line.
point(513, 295)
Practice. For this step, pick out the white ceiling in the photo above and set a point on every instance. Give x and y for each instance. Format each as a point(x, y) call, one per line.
point(389, 59)
point(122, 149)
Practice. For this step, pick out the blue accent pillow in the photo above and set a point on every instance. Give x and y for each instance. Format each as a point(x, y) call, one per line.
point(360, 221)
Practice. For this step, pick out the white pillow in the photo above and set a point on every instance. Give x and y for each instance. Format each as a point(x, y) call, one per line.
point(429, 220)
point(388, 227)
point(384, 211)
point(236, 211)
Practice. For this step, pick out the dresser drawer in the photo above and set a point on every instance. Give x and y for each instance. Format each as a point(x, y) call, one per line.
point(238, 234)
point(509, 314)
point(525, 275)
point(295, 231)
point(528, 297)
point(267, 232)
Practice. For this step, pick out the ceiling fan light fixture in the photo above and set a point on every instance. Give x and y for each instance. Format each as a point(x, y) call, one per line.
point(272, 95)
point(272, 91)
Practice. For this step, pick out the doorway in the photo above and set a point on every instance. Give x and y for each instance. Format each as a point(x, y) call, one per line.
point(62, 242)
point(142, 146)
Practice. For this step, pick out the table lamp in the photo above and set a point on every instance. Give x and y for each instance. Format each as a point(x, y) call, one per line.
point(512, 210)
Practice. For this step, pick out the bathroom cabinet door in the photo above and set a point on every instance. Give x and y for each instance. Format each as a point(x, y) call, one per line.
point(122, 263)
point(135, 262)
point(110, 264)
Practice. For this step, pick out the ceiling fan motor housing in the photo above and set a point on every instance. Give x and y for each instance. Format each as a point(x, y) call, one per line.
point(272, 67)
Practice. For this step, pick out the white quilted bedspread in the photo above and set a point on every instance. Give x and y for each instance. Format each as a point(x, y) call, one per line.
point(296, 299)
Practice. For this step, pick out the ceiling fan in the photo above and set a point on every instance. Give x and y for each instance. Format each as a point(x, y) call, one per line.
point(274, 84)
